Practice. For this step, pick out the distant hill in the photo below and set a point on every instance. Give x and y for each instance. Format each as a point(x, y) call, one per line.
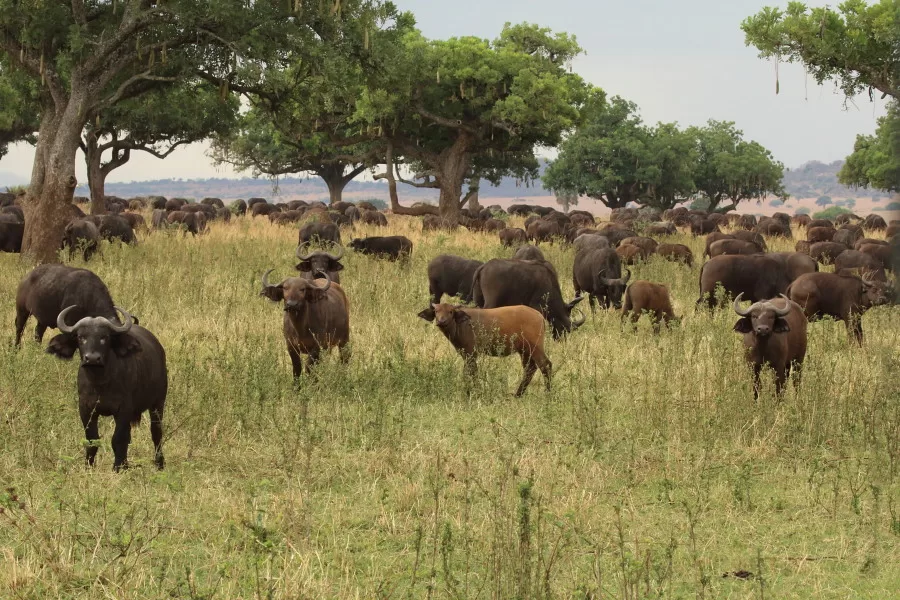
point(815, 179)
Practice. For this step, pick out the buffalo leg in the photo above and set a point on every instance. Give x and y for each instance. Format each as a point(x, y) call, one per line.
point(344, 354)
point(797, 373)
point(780, 379)
point(592, 300)
point(120, 440)
point(312, 360)
point(21, 317)
point(436, 293)
point(546, 367)
point(89, 421)
point(528, 369)
point(296, 361)
point(854, 328)
point(39, 332)
point(156, 434)
point(757, 368)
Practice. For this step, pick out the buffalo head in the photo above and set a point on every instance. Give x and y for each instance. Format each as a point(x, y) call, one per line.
point(296, 292)
point(762, 318)
point(615, 287)
point(93, 337)
point(318, 261)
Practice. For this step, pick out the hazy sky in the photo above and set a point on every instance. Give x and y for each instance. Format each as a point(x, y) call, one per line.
point(679, 61)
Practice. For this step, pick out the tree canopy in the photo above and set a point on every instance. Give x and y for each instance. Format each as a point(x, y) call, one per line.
point(855, 45)
point(875, 162)
point(19, 115)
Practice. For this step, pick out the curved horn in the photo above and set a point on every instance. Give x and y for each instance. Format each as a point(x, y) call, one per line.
point(627, 276)
point(579, 322)
point(61, 321)
point(339, 255)
point(737, 306)
point(327, 278)
point(783, 312)
point(265, 279)
point(303, 256)
point(129, 321)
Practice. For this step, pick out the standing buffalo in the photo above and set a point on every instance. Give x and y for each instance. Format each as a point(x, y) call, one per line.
point(599, 273)
point(503, 282)
point(49, 288)
point(114, 227)
point(529, 252)
point(826, 252)
point(494, 332)
point(676, 253)
point(733, 247)
point(844, 297)
point(11, 235)
point(315, 318)
point(451, 275)
point(774, 334)
point(319, 262)
point(123, 374)
point(795, 263)
point(373, 217)
point(757, 276)
point(512, 236)
point(651, 298)
point(867, 265)
point(544, 231)
point(83, 235)
point(819, 234)
point(590, 241)
point(323, 232)
point(391, 247)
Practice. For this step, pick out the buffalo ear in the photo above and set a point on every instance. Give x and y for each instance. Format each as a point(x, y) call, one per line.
point(125, 344)
point(743, 325)
point(275, 293)
point(781, 326)
point(334, 265)
point(461, 316)
point(427, 314)
point(63, 346)
point(304, 266)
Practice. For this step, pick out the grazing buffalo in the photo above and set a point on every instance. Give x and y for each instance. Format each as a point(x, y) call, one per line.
point(159, 219)
point(864, 241)
point(114, 227)
point(875, 222)
point(774, 334)
point(15, 211)
point(494, 332)
point(848, 234)
point(529, 252)
point(239, 207)
point(319, 263)
point(714, 237)
point(512, 236)
point(746, 222)
point(83, 235)
point(493, 225)
point(616, 234)
point(315, 318)
point(123, 374)
point(819, 234)
point(751, 236)
point(214, 202)
point(503, 282)
point(135, 220)
point(263, 209)
point(758, 276)
point(801, 220)
point(391, 247)
point(826, 252)
point(321, 232)
point(773, 227)
point(733, 246)
point(649, 245)
point(867, 265)
point(630, 254)
point(701, 226)
point(661, 228)
point(795, 263)
point(676, 253)
point(191, 222)
point(544, 231)
point(844, 297)
point(373, 217)
point(651, 298)
point(802, 246)
point(819, 223)
point(11, 235)
point(451, 275)
point(49, 288)
point(883, 253)
point(599, 273)
point(590, 241)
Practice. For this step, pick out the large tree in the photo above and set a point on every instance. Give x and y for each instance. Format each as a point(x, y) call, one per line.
point(89, 56)
point(853, 44)
point(156, 123)
point(875, 162)
point(19, 115)
point(464, 109)
point(732, 170)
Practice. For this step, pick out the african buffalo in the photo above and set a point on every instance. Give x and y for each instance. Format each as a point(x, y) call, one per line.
point(123, 374)
point(373, 217)
point(826, 252)
point(543, 231)
point(391, 247)
point(773, 227)
point(874, 222)
point(319, 262)
point(504, 282)
point(758, 276)
point(867, 265)
point(651, 298)
point(630, 254)
point(795, 263)
point(494, 332)
point(529, 252)
point(883, 253)
point(451, 275)
point(321, 232)
point(114, 227)
point(751, 236)
point(746, 222)
point(662, 228)
point(676, 253)
point(599, 273)
point(590, 241)
point(316, 318)
point(801, 220)
point(819, 234)
point(83, 235)
point(733, 247)
point(512, 236)
point(11, 235)
point(844, 297)
point(774, 334)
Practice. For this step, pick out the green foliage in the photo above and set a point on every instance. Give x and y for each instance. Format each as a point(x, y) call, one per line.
point(892, 206)
point(875, 161)
point(567, 200)
point(701, 203)
point(854, 45)
point(831, 212)
point(777, 202)
point(19, 115)
point(823, 201)
point(802, 211)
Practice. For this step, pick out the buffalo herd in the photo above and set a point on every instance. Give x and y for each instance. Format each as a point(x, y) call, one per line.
point(507, 302)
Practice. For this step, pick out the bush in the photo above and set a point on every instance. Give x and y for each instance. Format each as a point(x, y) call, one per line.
point(700, 204)
point(893, 206)
point(830, 213)
point(823, 201)
point(777, 202)
point(802, 211)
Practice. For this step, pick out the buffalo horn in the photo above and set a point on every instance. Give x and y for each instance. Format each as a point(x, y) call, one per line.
point(124, 327)
point(300, 250)
point(61, 321)
point(327, 279)
point(579, 322)
point(737, 306)
point(265, 279)
point(340, 252)
point(783, 312)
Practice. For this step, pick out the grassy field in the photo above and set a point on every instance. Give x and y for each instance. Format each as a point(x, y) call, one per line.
point(648, 472)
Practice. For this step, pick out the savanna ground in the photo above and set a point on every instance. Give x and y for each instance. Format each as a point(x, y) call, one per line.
point(648, 472)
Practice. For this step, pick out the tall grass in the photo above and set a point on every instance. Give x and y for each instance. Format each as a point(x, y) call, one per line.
point(648, 472)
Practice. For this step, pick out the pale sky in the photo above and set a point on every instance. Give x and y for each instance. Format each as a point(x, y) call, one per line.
point(679, 61)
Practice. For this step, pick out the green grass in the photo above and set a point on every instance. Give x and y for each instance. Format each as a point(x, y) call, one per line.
point(648, 472)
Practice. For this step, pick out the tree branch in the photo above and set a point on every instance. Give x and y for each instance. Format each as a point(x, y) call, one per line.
point(445, 122)
point(121, 92)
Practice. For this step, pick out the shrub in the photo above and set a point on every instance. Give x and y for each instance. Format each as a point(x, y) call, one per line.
point(831, 212)
point(823, 201)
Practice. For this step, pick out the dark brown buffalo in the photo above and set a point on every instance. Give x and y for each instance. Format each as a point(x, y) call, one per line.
point(114, 227)
point(891, 231)
point(503, 282)
point(774, 334)
point(848, 234)
point(631, 255)
point(801, 220)
point(14, 210)
point(866, 265)
point(492, 225)
point(773, 227)
point(581, 220)
point(590, 241)
point(543, 231)
point(316, 318)
point(321, 232)
point(663, 228)
point(11, 235)
point(159, 219)
point(883, 253)
point(757, 276)
point(239, 207)
point(843, 297)
point(701, 226)
point(175, 204)
point(648, 244)
point(733, 247)
point(391, 247)
point(650, 298)
point(529, 252)
point(746, 222)
point(122, 375)
point(826, 252)
point(451, 275)
point(714, 237)
point(81, 235)
point(819, 234)
point(795, 263)
point(874, 222)
point(616, 233)
point(802, 246)
point(512, 236)
point(373, 217)
point(863, 241)
point(263, 209)
point(676, 253)
point(435, 223)
point(191, 222)
point(48, 289)
point(599, 273)
point(318, 263)
point(751, 236)
point(494, 332)
point(819, 223)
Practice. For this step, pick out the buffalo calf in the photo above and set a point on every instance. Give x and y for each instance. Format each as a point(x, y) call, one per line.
point(651, 298)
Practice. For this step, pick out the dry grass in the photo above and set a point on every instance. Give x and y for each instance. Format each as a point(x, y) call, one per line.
point(649, 471)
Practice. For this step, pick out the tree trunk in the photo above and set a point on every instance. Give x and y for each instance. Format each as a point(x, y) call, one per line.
point(96, 176)
point(48, 204)
point(333, 176)
point(396, 207)
point(452, 167)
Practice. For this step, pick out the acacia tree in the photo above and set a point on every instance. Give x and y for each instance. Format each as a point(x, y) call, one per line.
point(875, 161)
point(730, 169)
point(458, 109)
point(156, 123)
point(19, 117)
point(854, 45)
point(89, 56)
